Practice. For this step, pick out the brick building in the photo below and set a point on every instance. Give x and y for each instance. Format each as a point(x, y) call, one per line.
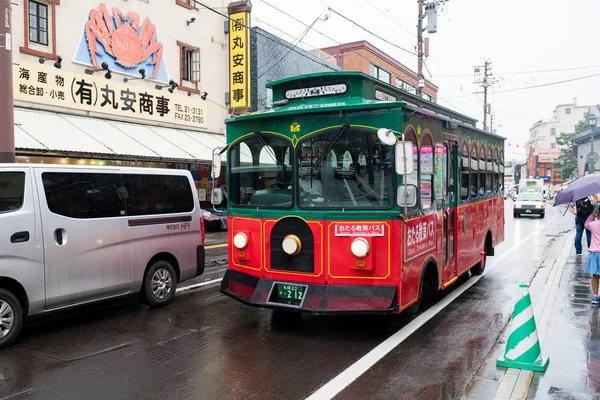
point(363, 56)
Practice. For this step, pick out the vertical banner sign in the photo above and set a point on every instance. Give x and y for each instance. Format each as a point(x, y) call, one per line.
point(239, 58)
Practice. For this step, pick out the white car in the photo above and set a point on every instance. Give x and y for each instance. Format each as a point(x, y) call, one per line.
point(529, 204)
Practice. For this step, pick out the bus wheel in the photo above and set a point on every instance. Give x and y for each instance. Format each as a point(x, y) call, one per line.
point(159, 284)
point(480, 267)
point(11, 318)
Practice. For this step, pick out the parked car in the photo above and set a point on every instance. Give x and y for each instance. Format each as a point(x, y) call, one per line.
point(74, 235)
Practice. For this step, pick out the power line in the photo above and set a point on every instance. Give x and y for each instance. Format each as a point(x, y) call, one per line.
point(391, 19)
point(372, 33)
point(535, 86)
point(526, 72)
point(290, 49)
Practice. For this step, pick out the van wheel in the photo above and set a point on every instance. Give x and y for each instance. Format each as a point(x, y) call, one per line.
point(159, 284)
point(11, 318)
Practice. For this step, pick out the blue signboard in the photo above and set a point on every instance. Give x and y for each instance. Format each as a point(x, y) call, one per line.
point(545, 178)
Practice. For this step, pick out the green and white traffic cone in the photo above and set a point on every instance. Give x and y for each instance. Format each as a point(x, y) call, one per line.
point(523, 350)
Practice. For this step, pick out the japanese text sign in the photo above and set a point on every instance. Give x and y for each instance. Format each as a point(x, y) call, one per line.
point(419, 236)
point(239, 62)
point(38, 83)
point(359, 229)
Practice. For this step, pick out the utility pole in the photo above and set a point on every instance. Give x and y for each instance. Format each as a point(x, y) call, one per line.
point(7, 118)
point(485, 82)
point(420, 77)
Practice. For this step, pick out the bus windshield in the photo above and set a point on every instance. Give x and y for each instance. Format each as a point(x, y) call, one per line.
point(355, 171)
point(261, 172)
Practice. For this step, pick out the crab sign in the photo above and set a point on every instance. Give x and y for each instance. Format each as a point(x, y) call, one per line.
point(121, 38)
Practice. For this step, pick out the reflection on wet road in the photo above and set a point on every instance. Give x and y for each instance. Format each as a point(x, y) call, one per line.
point(207, 346)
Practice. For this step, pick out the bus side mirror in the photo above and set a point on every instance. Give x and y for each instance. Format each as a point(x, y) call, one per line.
point(216, 165)
point(404, 158)
point(409, 194)
point(216, 197)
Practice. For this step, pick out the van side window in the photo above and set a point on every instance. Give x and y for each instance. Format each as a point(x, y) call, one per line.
point(12, 189)
point(84, 195)
point(157, 194)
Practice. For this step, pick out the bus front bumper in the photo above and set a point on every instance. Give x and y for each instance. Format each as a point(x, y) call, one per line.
point(317, 298)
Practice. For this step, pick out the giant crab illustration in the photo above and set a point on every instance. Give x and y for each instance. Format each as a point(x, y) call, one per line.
point(121, 39)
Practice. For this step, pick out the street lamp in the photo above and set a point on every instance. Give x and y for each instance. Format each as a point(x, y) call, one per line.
point(592, 120)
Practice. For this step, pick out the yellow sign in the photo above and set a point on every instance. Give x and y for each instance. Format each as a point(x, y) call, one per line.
point(38, 83)
point(239, 62)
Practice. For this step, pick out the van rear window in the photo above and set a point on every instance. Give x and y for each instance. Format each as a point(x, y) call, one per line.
point(93, 195)
point(12, 189)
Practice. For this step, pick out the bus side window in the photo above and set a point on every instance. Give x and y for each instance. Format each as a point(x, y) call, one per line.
point(474, 190)
point(489, 170)
point(426, 169)
point(464, 171)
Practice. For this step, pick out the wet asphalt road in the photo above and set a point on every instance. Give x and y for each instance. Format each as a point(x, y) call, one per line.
point(207, 346)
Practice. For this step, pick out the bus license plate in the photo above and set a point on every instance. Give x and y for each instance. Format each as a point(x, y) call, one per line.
point(290, 292)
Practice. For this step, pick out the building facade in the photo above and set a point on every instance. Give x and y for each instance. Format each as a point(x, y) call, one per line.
point(363, 56)
point(565, 116)
point(109, 82)
point(274, 58)
point(541, 165)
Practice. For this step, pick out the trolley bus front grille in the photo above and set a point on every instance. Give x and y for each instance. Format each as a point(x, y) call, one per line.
point(303, 261)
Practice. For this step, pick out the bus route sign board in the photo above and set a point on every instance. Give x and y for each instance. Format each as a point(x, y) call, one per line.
point(359, 229)
point(419, 236)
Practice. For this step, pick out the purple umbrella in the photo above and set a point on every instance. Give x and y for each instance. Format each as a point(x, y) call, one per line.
point(586, 186)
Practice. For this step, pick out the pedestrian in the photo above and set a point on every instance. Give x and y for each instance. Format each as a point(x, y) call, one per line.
point(592, 265)
point(583, 209)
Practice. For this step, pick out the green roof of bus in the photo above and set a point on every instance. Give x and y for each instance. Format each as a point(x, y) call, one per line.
point(360, 94)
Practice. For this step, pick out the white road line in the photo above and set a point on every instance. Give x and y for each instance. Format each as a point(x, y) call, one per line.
point(345, 378)
point(197, 285)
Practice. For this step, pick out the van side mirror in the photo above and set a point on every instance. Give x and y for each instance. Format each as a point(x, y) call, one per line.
point(407, 196)
point(216, 164)
point(216, 197)
point(404, 158)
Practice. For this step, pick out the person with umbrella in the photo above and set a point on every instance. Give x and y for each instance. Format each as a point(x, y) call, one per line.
point(578, 192)
point(582, 210)
point(592, 265)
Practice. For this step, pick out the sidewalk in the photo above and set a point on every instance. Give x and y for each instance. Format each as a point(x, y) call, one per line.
point(572, 340)
point(569, 331)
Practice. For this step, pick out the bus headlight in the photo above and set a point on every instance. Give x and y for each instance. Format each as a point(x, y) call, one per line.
point(360, 247)
point(240, 240)
point(291, 244)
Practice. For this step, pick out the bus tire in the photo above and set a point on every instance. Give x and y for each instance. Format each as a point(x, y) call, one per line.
point(160, 282)
point(480, 266)
point(11, 318)
point(427, 290)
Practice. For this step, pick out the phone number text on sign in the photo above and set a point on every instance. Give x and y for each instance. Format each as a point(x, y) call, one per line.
point(359, 229)
point(419, 237)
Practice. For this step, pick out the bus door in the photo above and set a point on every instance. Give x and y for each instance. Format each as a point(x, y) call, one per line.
point(449, 212)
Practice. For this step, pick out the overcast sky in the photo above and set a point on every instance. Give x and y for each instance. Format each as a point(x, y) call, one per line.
point(517, 36)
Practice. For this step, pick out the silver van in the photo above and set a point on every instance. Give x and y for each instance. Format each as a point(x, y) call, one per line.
point(73, 235)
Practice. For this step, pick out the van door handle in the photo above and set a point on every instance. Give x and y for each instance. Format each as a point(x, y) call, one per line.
point(20, 237)
point(60, 236)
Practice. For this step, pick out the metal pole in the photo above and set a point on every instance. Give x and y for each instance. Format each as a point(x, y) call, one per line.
point(7, 119)
point(420, 48)
point(485, 89)
point(592, 158)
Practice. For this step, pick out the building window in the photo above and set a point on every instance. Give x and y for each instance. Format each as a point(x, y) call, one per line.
point(38, 22)
point(40, 28)
point(190, 4)
point(379, 73)
point(190, 65)
point(553, 145)
point(427, 97)
point(405, 86)
point(553, 131)
point(190, 68)
point(567, 111)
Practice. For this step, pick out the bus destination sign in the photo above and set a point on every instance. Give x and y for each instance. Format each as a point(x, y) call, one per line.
point(316, 91)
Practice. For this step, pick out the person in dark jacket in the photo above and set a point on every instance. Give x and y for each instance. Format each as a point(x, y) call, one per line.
point(583, 209)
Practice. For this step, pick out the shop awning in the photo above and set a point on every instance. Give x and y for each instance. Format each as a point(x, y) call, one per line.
point(55, 132)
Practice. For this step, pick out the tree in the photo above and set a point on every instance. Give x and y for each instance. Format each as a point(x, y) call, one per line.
point(567, 161)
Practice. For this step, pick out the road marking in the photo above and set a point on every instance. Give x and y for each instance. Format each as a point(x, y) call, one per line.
point(197, 285)
point(352, 373)
point(216, 246)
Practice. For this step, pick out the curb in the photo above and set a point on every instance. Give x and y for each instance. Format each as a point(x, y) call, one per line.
point(515, 383)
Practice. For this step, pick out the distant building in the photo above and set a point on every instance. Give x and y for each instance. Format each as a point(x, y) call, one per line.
point(274, 58)
point(542, 135)
point(540, 165)
point(363, 56)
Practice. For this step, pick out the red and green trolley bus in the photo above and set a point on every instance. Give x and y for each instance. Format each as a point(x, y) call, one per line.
point(352, 196)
